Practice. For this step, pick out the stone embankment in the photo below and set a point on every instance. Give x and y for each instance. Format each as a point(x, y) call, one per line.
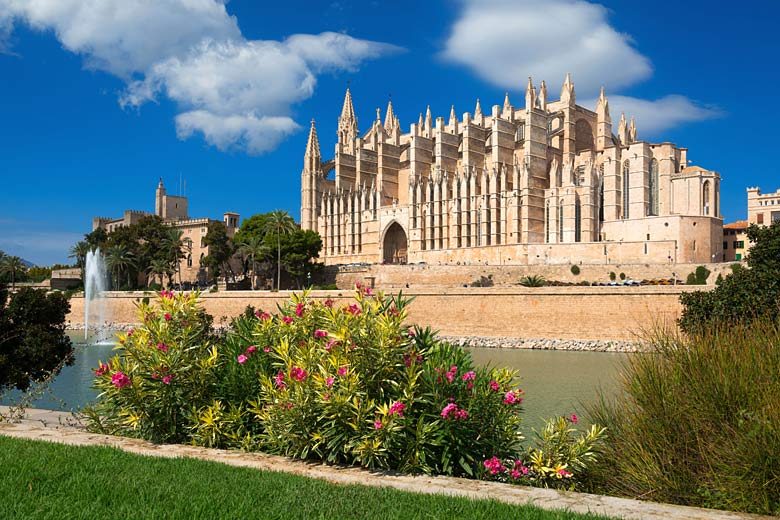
point(545, 344)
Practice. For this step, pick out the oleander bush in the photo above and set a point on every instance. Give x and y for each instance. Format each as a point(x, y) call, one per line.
point(347, 384)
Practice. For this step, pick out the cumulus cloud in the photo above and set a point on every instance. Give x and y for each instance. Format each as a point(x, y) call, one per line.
point(237, 93)
point(505, 41)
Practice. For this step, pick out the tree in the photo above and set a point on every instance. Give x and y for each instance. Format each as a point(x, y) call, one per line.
point(279, 223)
point(119, 260)
point(254, 226)
point(253, 247)
point(96, 239)
point(299, 248)
point(221, 249)
point(160, 268)
point(13, 267)
point(744, 295)
point(33, 342)
point(174, 245)
point(79, 251)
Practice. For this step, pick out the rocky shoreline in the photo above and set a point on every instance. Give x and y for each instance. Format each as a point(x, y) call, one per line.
point(472, 341)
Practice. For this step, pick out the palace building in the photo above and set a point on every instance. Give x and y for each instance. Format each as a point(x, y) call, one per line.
point(545, 183)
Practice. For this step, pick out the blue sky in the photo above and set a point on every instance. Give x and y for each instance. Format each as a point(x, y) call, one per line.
point(101, 98)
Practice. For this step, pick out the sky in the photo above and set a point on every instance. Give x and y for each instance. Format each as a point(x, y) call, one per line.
point(101, 98)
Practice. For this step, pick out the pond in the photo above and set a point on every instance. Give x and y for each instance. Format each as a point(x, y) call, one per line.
point(555, 382)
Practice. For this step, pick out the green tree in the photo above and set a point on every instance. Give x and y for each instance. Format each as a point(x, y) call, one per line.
point(79, 252)
point(221, 249)
point(254, 248)
point(299, 248)
point(279, 223)
point(119, 261)
point(174, 246)
point(161, 268)
point(33, 342)
point(254, 226)
point(13, 267)
point(96, 239)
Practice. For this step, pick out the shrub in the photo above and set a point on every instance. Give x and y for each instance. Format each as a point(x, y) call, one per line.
point(612, 276)
point(698, 277)
point(622, 276)
point(575, 270)
point(484, 281)
point(699, 422)
point(533, 281)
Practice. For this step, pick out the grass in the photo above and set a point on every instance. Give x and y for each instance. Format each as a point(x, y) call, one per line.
point(47, 480)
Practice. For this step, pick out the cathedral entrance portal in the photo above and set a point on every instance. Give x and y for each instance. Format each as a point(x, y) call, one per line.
point(394, 245)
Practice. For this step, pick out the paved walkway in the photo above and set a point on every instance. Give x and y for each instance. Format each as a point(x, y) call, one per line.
point(64, 428)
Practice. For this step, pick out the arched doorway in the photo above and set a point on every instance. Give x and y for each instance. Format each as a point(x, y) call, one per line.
point(394, 245)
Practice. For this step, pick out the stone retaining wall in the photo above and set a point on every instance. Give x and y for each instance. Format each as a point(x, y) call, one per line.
point(571, 313)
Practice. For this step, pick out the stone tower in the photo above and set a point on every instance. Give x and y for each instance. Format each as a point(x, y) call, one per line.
point(312, 166)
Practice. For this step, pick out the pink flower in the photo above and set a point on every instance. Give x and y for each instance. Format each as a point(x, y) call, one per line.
point(411, 333)
point(397, 408)
point(494, 466)
point(495, 386)
point(263, 315)
point(266, 349)
point(357, 285)
point(320, 334)
point(288, 319)
point(130, 332)
point(166, 294)
point(120, 380)
point(342, 371)
point(378, 424)
point(470, 384)
point(102, 369)
point(449, 409)
point(326, 397)
point(167, 317)
point(329, 303)
point(367, 291)
point(329, 382)
point(461, 414)
point(242, 359)
point(354, 309)
point(563, 473)
point(515, 474)
point(279, 380)
point(162, 346)
point(330, 344)
point(299, 310)
point(298, 374)
point(450, 375)
point(167, 379)
point(469, 376)
point(524, 470)
point(573, 418)
point(512, 398)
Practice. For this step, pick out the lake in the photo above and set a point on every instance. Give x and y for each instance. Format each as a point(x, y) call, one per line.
point(555, 382)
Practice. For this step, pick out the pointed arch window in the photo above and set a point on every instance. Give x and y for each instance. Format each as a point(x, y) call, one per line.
point(577, 220)
point(653, 184)
point(560, 221)
point(547, 223)
point(626, 188)
point(706, 197)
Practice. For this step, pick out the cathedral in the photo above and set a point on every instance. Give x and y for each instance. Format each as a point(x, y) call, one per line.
point(548, 183)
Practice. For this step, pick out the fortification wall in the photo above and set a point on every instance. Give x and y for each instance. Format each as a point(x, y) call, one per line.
point(583, 313)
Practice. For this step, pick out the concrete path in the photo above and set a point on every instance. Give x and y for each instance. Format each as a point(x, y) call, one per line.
point(64, 428)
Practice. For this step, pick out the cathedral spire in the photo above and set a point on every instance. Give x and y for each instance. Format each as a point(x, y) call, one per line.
point(478, 110)
point(313, 145)
point(507, 104)
point(453, 117)
point(428, 121)
point(632, 130)
point(542, 99)
point(389, 117)
point(348, 129)
point(530, 94)
point(602, 107)
point(623, 129)
point(567, 91)
point(347, 111)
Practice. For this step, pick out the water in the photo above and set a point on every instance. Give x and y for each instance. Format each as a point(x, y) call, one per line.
point(555, 382)
point(95, 283)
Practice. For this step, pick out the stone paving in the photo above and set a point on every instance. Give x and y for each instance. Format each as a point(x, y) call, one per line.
point(64, 428)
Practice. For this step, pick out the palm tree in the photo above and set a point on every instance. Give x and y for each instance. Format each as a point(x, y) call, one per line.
point(281, 223)
point(11, 265)
point(253, 247)
point(79, 251)
point(175, 245)
point(119, 259)
point(160, 267)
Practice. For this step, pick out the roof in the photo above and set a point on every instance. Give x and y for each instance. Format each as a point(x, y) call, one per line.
point(739, 224)
point(689, 169)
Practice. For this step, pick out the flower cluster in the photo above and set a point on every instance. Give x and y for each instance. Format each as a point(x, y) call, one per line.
point(320, 334)
point(167, 294)
point(451, 373)
point(513, 397)
point(451, 411)
point(412, 357)
point(263, 315)
point(120, 380)
point(243, 358)
point(397, 408)
point(298, 374)
point(163, 347)
point(102, 369)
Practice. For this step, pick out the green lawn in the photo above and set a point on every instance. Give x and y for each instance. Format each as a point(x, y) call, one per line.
point(46, 480)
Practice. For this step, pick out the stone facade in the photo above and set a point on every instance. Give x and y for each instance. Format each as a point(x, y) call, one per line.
point(735, 241)
point(548, 183)
point(173, 211)
point(763, 208)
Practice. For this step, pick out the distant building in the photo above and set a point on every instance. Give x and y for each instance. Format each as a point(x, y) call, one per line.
point(762, 209)
point(173, 211)
point(548, 183)
point(735, 241)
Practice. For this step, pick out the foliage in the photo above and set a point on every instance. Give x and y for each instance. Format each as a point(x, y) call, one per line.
point(557, 459)
point(745, 294)
point(38, 274)
point(51, 480)
point(699, 422)
point(575, 270)
point(255, 249)
point(533, 281)
point(612, 276)
point(221, 249)
point(698, 277)
point(622, 276)
point(255, 226)
point(33, 342)
point(12, 269)
point(279, 223)
point(298, 249)
point(343, 384)
point(484, 281)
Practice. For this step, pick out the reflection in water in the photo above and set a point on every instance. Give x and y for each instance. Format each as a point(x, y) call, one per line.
point(555, 382)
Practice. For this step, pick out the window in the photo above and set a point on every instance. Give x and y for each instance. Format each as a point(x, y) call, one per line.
point(739, 244)
point(560, 221)
point(775, 216)
point(625, 188)
point(547, 223)
point(653, 209)
point(739, 256)
point(189, 260)
point(706, 197)
point(725, 245)
point(577, 221)
point(760, 218)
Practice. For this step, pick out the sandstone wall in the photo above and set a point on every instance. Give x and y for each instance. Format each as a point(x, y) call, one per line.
point(584, 313)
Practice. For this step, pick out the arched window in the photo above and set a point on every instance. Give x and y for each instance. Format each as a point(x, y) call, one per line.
point(706, 197)
point(577, 220)
point(547, 223)
point(601, 196)
point(626, 188)
point(560, 221)
point(189, 260)
point(653, 209)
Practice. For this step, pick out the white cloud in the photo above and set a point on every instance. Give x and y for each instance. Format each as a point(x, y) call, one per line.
point(505, 41)
point(238, 93)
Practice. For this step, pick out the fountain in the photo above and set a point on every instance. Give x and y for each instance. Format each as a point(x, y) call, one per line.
point(95, 283)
